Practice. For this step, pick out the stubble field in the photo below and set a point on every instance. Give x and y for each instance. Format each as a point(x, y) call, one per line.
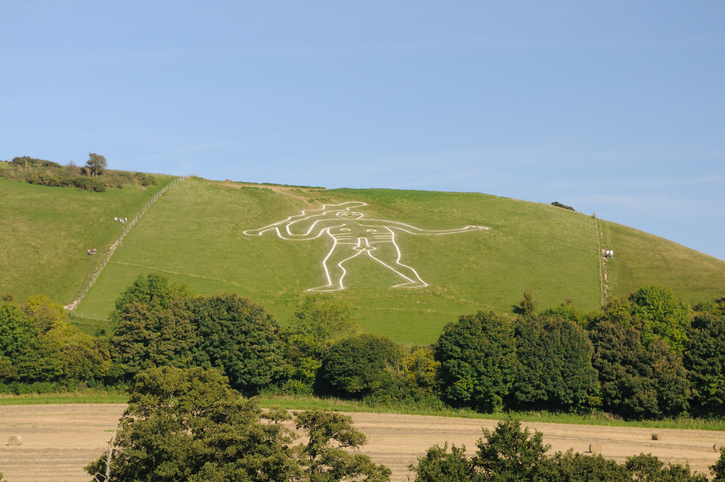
point(58, 440)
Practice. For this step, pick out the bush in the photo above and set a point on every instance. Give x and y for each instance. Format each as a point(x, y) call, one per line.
point(638, 381)
point(560, 205)
point(189, 425)
point(478, 361)
point(705, 362)
point(359, 366)
point(48, 173)
point(554, 365)
point(241, 339)
point(317, 324)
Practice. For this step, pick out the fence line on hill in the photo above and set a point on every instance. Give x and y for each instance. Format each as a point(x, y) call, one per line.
point(599, 259)
point(82, 293)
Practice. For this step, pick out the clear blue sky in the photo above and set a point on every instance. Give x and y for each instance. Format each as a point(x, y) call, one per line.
point(613, 107)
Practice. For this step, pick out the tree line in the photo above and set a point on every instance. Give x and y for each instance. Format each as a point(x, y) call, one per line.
point(647, 355)
point(84, 178)
point(188, 424)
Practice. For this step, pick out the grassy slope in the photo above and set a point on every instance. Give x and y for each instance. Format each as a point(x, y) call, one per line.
point(46, 231)
point(642, 259)
point(194, 235)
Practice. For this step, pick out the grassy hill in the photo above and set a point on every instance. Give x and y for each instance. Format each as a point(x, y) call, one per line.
point(194, 234)
point(45, 232)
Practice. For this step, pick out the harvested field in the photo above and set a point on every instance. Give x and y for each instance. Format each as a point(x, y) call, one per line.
point(58, 440)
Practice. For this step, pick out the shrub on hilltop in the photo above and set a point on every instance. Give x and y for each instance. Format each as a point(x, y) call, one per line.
point(48, 173)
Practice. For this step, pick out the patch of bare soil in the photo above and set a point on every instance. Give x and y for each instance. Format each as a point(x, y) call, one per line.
point(59, 440)
point(286, 190)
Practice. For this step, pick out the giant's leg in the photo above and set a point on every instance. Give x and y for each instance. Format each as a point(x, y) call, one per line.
point(388, 254)
point(332, 266)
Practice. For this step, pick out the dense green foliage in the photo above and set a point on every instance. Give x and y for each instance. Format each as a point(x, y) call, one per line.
point(190, 425)
point(564, 206)
point(358, 366)
point(478, 360)
point(38, 345)
point(705, 363)
point(638, 380)
point(318, 323)
point(162, 325)
point(240, 339)
point(154, 291)
point(555, 365)
point(510, 453)
point(559, 359)
point(48, 173)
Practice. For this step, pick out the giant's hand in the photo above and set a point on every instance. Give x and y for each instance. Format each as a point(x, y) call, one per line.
point(259, 231)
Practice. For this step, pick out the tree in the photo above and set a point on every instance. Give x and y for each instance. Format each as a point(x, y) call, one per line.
point(359, 365)
point(96, 164)
point(154, 291)
point(324, 320)
point(648, 468)
point(149, 338)
point(241, 339)
point(662, 315)
point(190, 425)
point(554, 365)
point(509, 453)
point(638, 381)
point(317, 324)
point(37, 344)
point(718, 470)
point(478, 360)
point(655, 312)
point(704, 359)
point(439, 465)
point(527, 305)
point(324, 458)
point(577, 467)
point(160, 324)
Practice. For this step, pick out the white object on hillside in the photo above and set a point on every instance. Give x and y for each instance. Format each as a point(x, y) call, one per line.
point(354, 236)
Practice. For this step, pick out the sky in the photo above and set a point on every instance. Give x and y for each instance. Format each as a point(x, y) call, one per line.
point(615, 108)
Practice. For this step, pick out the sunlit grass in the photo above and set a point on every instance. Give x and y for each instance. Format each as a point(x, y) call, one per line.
point(45, 232)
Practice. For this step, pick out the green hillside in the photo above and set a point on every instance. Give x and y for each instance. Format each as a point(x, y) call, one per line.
point(194, 234)
point(45, 232)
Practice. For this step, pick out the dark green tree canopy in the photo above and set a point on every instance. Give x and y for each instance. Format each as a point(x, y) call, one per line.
point(162, 324)
point(359, 365)
point(154, 291)
point(241, 339)
point(655, 312)
point(527, 305)
point(478, 360)
point(704, 359)
point(510, 453)
point(637, 380)
point(554, 370)
point(190, 425)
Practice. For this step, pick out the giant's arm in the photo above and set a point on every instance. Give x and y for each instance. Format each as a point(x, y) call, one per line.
point(410, 229)
point(310, 227)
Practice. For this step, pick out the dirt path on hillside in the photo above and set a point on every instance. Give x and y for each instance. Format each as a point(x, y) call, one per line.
point(290, 191)
point(58, 440)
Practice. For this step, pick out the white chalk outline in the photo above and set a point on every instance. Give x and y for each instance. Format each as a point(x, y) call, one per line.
point(341, 214)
